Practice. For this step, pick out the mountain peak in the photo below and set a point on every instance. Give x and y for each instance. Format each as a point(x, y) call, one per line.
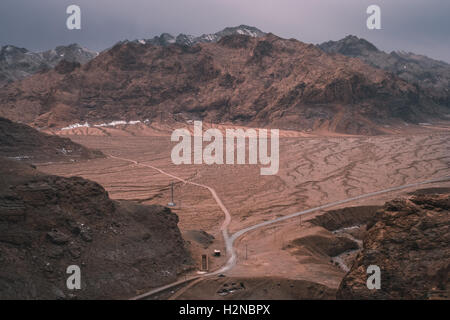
point(71, 53)
point(243, 30)
point(350, 46)
point(8, 50)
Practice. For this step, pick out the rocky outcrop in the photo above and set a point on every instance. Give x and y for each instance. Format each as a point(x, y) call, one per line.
point(48, 223)
point(21, 142)
point(409, 239)
point(199, 236)
point(325, 245)
point(333, 220)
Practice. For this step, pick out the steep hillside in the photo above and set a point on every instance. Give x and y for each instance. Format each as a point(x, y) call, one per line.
point(432, 76)
point(48, 223)
point(21, 142)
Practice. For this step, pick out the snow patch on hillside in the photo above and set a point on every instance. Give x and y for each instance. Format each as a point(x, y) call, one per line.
point(104, 124)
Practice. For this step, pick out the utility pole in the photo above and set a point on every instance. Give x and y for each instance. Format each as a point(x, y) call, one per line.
point(172, 203)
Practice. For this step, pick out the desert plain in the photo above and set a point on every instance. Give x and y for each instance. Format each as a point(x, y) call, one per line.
point(288, 259)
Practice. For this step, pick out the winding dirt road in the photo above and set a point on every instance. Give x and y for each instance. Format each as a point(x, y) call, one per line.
point(227, 220)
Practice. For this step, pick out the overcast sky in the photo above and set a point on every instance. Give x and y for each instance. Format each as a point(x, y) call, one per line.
point(420, 26)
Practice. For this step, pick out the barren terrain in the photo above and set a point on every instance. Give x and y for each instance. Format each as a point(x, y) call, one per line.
point(314, 170)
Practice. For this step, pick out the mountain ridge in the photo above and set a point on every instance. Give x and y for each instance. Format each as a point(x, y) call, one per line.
point(240, 79)
point(432, 76)
point(18, 63)
point(188, 40)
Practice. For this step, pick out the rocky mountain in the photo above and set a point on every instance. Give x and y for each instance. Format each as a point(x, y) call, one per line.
point(188, 40)
point(409, 239)
point(432, 76)
point(71, 53)
point(260, 81)
point(19, 63)
point(48, 223)
point(21, 142)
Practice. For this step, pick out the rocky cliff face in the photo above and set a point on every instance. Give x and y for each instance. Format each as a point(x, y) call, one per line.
point(19, 63)
point(432, 76)
point(48, 223)
point(409, 240)
point(261, 81)
point(21, 142)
